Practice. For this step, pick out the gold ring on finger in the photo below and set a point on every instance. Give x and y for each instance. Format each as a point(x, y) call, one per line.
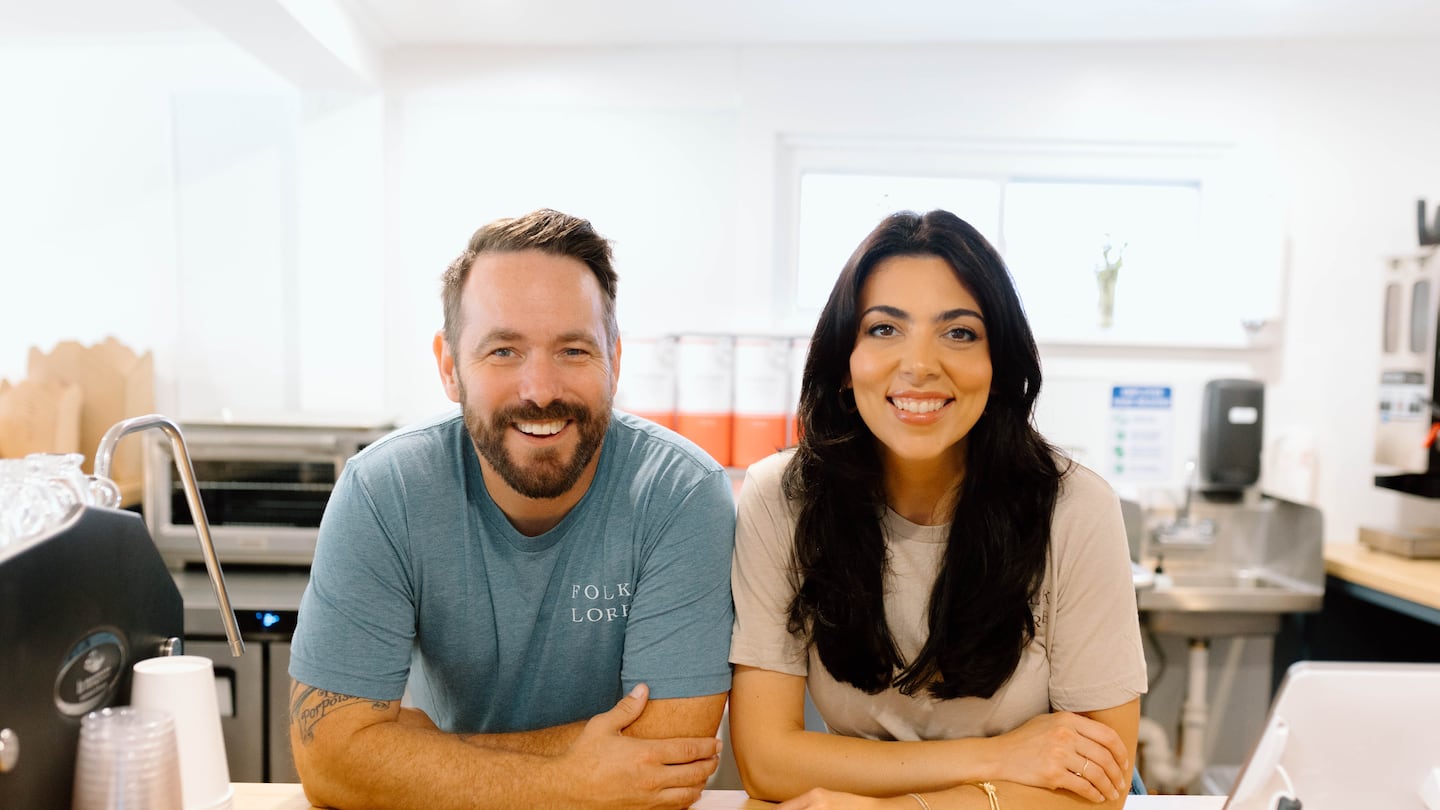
point(1083, 768)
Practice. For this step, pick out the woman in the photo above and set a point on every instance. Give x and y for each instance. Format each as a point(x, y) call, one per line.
point(954, 593)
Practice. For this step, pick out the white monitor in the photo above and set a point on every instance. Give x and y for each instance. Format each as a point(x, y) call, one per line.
point(1342, 736)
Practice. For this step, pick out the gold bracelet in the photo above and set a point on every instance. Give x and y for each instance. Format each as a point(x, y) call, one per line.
point(989, 794)
point(924, 805)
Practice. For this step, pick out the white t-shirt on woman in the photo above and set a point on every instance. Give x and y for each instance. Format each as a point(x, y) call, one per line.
point(1086, 654)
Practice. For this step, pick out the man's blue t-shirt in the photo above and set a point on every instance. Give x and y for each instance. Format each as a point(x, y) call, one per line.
point(416, 564)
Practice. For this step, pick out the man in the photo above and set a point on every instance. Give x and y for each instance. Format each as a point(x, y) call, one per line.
point(520, 565)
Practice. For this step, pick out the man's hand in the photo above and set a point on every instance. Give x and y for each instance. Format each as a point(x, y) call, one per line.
point(358, 753)
point(610, 770)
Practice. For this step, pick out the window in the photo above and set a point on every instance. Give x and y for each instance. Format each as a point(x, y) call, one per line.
point(837, 210)
point(1193, 256)
point(1059, 238)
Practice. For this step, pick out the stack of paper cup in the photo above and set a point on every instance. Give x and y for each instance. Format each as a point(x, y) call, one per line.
point(761, 397)
point(184, 685)
point(127, 758)
point(799, 350)
point(704, 391)
point(647, 378)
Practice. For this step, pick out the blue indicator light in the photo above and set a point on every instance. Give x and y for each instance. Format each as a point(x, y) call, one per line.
point(267, 619)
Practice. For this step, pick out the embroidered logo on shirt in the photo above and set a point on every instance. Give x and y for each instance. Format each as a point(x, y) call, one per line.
point(600, 603)
point(1041, 609)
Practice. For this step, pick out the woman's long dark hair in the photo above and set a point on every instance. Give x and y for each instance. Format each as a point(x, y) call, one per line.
point(980, 614)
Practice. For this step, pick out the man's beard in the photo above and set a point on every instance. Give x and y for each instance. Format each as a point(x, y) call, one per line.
point(547, 475)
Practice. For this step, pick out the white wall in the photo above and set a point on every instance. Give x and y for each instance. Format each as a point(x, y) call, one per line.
point(674, 153)
point(179, 196)
point(642, 143)
point(87, 217)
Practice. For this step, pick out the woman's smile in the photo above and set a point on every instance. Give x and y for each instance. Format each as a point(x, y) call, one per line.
point(920, 409)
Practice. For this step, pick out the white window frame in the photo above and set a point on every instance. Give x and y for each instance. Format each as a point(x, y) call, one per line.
point(1241, 227)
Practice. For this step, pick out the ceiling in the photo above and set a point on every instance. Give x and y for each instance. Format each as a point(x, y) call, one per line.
point(399, 23)
point(393, 22)
point(27, 21)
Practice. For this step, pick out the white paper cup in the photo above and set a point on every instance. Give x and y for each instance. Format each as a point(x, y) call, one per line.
point(184, 685)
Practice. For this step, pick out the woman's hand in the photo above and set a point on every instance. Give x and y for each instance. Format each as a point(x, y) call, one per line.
point(1066, 751)
point(821, 799)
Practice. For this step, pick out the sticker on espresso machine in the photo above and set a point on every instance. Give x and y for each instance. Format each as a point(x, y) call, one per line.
point(90, 673)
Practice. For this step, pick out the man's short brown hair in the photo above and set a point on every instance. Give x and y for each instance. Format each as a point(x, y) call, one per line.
point(545, 230)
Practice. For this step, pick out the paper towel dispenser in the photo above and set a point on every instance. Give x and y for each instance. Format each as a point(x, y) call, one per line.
point(1231, 436)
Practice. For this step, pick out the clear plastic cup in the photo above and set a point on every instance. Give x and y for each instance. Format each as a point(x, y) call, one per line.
point(127, 759)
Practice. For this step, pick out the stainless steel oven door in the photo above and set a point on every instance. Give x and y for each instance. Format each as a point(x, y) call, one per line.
point(264, 490)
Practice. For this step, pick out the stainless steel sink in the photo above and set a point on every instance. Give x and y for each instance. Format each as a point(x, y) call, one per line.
point(1244, 591)
point(1232, 568)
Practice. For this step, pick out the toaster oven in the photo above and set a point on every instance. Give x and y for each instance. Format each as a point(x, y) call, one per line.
point(264, 488)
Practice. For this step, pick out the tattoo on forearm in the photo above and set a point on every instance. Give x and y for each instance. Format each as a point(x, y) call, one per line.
point(309, 706)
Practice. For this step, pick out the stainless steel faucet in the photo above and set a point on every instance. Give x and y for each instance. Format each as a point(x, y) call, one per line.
point(105, 454)
point(1192, 481)
point(1182, 530)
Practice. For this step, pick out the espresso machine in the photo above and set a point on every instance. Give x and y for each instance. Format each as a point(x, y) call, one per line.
point(1407, 458)
point(1407, 453)
point(79, 605)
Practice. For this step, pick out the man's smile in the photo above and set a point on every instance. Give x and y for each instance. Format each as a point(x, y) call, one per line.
point(549, 428)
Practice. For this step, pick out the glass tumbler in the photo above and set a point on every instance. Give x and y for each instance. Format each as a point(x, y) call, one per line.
point(28, 507)
point(62, 470)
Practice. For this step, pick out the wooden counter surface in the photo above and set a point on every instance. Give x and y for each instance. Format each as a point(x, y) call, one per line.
point(1416, 581)
point(253, 796)
point(256, 796)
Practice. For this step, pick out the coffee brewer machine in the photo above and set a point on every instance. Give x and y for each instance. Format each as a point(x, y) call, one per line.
point(1406, 456)
point(78, 607)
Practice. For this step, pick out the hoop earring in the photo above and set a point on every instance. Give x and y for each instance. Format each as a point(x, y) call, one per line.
point(847, 400)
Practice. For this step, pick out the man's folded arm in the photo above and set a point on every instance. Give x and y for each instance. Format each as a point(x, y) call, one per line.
point(672, 717)
point(355, 753)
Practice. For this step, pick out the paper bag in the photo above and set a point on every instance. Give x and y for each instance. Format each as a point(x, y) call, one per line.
point(116, 384)
point(39, 416)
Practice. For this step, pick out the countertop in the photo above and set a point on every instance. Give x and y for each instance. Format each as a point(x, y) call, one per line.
point(1417, 581)
point(250, 796)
